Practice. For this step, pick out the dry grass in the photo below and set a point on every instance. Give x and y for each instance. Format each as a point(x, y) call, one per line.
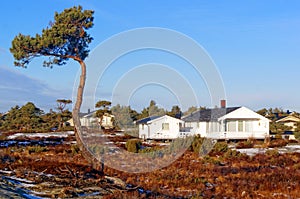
point(224, 173)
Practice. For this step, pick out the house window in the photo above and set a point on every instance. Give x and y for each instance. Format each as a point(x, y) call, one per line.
point(249, 126)
point(240, 126)
point(188, 124)
point(165, 126)
point(142, 126)
point(214, 127)
point(231, 126)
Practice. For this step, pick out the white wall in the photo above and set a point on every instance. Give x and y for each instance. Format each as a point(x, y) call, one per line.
point(107, 121)
point(153, 129)
point(197, 128)
point(219, 130)
point(143, 131)
point(90, 121)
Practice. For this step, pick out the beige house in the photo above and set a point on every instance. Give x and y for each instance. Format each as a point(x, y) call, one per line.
point(90, 120)
point(290, 121)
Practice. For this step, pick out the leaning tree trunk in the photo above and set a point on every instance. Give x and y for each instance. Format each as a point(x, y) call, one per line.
point(85, 152)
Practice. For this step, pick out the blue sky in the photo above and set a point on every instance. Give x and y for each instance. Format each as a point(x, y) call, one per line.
point(254, 44)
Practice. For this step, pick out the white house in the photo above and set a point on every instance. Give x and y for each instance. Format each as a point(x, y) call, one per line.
point(89, 119)
point(227, 123)
point(164, 127)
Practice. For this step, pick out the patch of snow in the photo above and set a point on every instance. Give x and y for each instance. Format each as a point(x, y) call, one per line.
point(5, 172)
point(285, 149)
point(18, 180)
point(252, 151)
point(43, 135)
point(43, 174)
point(71, 142)
point(294, 146)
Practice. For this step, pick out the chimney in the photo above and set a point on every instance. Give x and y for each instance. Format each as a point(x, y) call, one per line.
point(89, 111)
point(223, 103)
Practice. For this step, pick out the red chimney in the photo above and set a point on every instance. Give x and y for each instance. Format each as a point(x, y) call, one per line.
point(223, 103)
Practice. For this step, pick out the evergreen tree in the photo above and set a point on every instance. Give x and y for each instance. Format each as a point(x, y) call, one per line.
point(65, 39)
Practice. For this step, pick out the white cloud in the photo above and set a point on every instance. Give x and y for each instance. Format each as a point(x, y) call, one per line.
point(17, 89)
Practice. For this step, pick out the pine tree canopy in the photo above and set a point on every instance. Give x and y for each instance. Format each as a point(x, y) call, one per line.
point(66, 38)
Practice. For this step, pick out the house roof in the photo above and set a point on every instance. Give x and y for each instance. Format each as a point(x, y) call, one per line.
point(90, 114)
point(147, 119)
point(206, 115)
point(164, 117)
point(289, 118)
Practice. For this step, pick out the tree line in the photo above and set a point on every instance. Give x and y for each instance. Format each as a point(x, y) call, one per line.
point(29, 118)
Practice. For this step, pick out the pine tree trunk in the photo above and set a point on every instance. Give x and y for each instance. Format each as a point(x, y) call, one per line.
point(84, 151)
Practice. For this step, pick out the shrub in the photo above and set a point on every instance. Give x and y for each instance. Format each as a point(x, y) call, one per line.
point(278, 136)
point(212, 160)
point(153, 152)
point(75, 149)
point(150, 149)
point(97, 149)
point(2, 137)
point(220, 147)
point(233, 154)
point(179, 145)
point(133, 145)
point(202, 146)
point(297, 135)
point(196, 144)
point(278, 143)
point(272, 152)
point(245, 144)
point(37, 149)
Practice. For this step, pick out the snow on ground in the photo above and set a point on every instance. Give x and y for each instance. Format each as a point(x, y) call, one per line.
point(44, 135)
point(252, 151)
point(286, 149)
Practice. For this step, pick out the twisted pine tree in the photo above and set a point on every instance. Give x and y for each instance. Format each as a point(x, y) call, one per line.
point(65, 39)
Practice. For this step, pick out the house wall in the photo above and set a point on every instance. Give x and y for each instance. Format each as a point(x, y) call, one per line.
point(291, 124)
point(237, 135)
point(107, 122)
point(84, 122)
point(143, 131)
point(241, 129)
point(156, 128)
point(247, 124)
point(198, 128)
point(89, 121)
point(242, 123)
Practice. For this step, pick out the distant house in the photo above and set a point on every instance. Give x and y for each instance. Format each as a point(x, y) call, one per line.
point(107, 121)
point(86, 119)
point(290, 121)
point(90, 120)
point(160, 127)
point(227, 123)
